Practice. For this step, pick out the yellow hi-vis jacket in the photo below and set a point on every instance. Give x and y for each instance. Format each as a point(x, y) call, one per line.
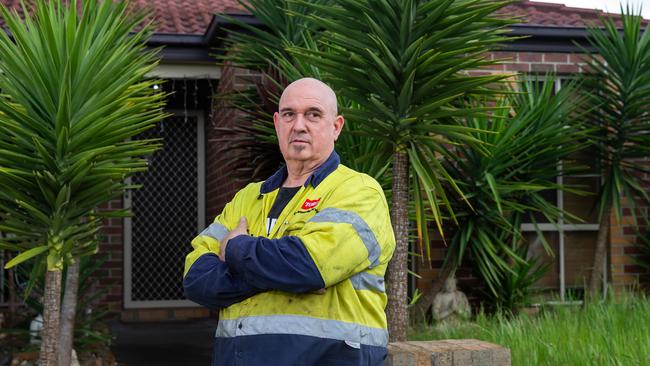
point(335, 234)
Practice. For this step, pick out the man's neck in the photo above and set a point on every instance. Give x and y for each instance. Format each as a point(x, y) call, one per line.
point(299, 171)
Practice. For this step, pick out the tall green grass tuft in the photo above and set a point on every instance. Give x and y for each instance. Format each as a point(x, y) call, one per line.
point(614, 332)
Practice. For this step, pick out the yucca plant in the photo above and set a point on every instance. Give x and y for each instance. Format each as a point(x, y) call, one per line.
point(88, 316)
point(262, 50)
point(619, 90)
point(74, 93)
point(522, 144)
point(515, 284)
point(265, 49)
point(404, 63)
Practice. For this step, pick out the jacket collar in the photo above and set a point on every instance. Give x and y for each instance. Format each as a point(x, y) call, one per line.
point(275, 181)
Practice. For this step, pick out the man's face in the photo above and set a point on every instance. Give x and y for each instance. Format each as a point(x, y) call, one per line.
point(306, 123)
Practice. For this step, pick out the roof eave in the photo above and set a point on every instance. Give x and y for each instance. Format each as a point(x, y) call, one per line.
point(191, 48)
point(200, 48)
point(539, 38)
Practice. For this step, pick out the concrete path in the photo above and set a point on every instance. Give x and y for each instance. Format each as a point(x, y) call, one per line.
point(163, 344)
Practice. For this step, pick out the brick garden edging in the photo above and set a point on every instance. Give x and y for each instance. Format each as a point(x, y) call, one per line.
point(448, 352)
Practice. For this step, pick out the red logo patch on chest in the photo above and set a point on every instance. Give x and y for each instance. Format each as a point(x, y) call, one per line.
point(309, 204)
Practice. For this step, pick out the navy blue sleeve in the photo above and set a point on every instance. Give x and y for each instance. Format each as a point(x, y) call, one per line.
point(274, 264)
point(210, 283)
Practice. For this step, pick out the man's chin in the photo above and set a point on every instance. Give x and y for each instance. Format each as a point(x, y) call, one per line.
point(300, 153)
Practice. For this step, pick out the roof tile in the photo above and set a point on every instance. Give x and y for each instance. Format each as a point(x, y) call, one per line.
point(192, 17)
point(556, 15)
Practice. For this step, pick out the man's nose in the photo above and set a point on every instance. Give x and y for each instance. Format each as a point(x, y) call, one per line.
point(301, 122)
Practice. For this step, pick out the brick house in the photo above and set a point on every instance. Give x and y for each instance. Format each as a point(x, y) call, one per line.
point(187, 184)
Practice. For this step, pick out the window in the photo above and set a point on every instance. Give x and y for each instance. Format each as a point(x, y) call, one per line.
point(573, 243)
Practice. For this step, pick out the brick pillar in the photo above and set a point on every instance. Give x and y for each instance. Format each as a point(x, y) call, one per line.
point(111, 245)
point(221, 182)
point(625, 272)
point(448, 352)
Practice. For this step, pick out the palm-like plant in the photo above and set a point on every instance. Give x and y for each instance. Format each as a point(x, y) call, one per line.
point(619, 89)
point(265, 50)
point(403, 63)
point(74, 93)
point(524, 145)
point(515, 283)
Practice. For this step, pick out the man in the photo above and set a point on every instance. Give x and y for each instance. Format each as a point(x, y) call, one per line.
point(296, 263)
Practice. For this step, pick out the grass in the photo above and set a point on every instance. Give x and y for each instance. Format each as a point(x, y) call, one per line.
point(613, 332)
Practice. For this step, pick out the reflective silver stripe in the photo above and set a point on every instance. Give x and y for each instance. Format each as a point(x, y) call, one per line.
point(367, 281)
point(336, 215)
point(215, 231)
point(302, 325)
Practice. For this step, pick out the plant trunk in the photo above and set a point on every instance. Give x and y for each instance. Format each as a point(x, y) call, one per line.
point(68, 312)
point(396, 276)
point(51, 315)
point(595, 280)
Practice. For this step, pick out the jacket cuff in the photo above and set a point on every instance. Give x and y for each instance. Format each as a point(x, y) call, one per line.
point(236, 250)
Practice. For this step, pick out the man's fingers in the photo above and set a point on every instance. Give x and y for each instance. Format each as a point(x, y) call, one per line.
point(243, 222)
point(242, 226)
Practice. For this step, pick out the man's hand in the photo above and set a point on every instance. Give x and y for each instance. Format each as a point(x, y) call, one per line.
point(241, 229)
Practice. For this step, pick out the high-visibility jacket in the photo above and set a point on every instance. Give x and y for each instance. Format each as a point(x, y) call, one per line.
point(334, 234)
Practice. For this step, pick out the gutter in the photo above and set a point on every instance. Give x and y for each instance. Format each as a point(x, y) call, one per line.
point(195, 48)
point(182, 48)
point(539, 38)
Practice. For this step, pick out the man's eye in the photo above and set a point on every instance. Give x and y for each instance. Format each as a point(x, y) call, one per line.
point(287, 115)
point(313, 116)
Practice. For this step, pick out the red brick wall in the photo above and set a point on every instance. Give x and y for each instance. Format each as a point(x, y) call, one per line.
point(622, 270)
point(220, 188)
point(525, 62)
point(221, 184)
point(624, 251)
point(111, 274)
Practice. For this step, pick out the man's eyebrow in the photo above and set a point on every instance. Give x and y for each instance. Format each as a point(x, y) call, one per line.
point(310, 109)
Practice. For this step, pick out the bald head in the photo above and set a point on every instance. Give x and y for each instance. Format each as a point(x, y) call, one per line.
point(307, 123)
point(317, 87)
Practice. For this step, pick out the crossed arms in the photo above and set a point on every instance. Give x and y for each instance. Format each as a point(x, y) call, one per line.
point(334, 245)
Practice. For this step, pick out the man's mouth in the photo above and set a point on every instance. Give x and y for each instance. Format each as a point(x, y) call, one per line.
point(299, 141)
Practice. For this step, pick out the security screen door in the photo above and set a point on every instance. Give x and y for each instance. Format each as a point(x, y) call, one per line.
point(169, 210)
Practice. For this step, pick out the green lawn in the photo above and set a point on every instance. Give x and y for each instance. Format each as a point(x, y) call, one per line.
point(615, 332)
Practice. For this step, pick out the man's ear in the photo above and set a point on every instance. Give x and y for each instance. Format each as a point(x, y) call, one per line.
point(276, 118)
point(338, 126)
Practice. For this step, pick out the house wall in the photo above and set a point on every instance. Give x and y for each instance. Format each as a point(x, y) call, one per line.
point(625, 272)
point(110, 275)
point(622, 270)
point(185, 94)
point(222, 184)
